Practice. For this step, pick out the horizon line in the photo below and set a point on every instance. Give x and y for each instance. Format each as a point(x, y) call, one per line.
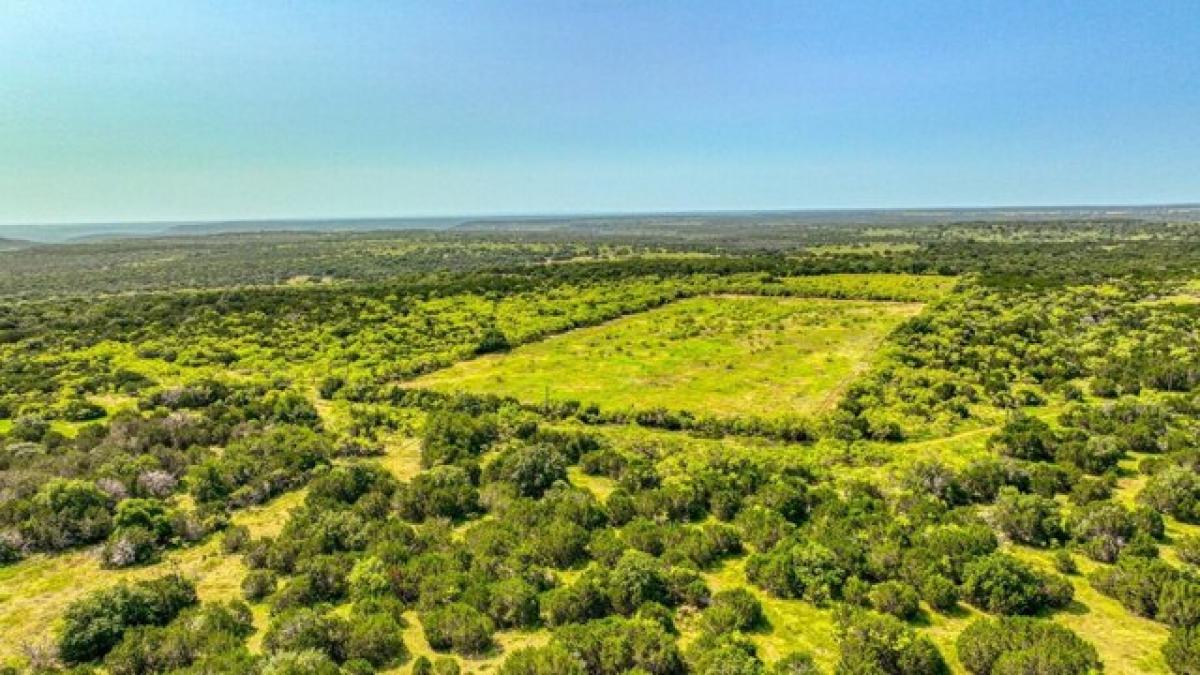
point(603, 214)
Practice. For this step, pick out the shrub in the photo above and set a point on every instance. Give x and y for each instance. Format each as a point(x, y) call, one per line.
point(1001, 584)
point(94, 624)
point(450, 437)
point(1064, 563)
point(1187, 547)
point(797, 570)
point(939, 592)
point(552, 659)
point(733, 610)
point(637, 578)
point(723, 655)
point(1182, 651)
point(896, 598)
point(1024, 437)
point(235, 539)
point(306, 662)
point(615, 645)
point(129, 546)
point(1174, 490)
point(1103, 529)
point(532, 469)
point(879, 643)
point(796, 663)
point(585, 599)
point(458, 627)
point(1014, 645)
point(1027, 519)
point(306, 628)
point(513, 603)
point(441, 492)
point(375, 638)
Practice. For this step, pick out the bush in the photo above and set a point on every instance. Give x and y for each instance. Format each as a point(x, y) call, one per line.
point(129, 546)
point(306, 628)
point(797, 570)
point(552, 659)
point(1001, 584)
point(939, 592)
point(513, 603)
point(584, 600)
point(1064, 563)
point(94, 624)
point(733, 610)
point(878, 643)
point(1137, 583)
point(614, 646)
point(376, 639)
point(723, 655)
point(532, 469)
point(450, 437)
point(458, 627)
point(1024, 437)
point(1027, 519)
point(1182, 651)
point(1176, 491)
point(796, 663)
point(1014, 645)
point(896, 598)
point(1103, 529)
point(307, 662)
point(637, 578)
point(1187, 547)
point(441, 492)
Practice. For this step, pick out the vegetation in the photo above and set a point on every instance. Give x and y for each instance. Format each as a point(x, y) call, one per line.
point(608, 453)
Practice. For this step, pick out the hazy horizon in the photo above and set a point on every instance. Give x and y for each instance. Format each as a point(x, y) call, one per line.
point(134, 111)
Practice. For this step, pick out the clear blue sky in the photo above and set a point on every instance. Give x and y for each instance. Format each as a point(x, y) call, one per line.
point(179, 109)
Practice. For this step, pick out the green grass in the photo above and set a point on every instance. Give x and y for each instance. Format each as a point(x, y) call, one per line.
point(723, 355)
point(793, 625)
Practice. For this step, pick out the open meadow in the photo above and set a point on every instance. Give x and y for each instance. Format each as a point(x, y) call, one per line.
point(724, 355)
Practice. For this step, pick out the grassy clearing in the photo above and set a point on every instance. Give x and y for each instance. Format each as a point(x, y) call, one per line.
point(35, 592)
point(725, 355)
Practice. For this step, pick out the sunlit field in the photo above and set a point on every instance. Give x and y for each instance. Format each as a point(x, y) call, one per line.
point(726, 355)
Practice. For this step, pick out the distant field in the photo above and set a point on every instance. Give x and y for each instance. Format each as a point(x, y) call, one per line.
point(724, 355)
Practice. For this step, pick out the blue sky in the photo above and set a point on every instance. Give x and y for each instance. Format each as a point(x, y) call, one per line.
point(146, 110)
